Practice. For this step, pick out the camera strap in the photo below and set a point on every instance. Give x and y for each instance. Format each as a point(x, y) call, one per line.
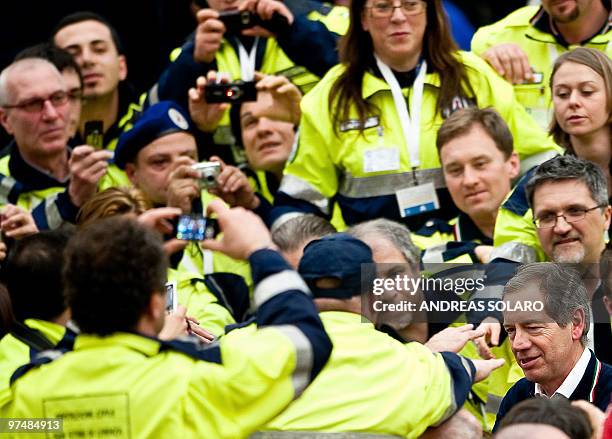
point(247, 60)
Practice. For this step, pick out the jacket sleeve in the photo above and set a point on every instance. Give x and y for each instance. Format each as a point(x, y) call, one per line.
point(261, 371)
point(54, 211)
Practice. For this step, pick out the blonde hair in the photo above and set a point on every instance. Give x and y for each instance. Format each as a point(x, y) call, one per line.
point(110, 202)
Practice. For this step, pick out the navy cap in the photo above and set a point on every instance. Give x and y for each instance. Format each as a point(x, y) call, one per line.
point(161, 119)
point(337, 256)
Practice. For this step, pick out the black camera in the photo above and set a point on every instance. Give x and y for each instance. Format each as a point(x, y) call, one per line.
point(237, 21)
point(195, 228)
point(239, 91)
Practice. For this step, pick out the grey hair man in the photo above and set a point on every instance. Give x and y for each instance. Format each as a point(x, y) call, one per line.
point(547, 320)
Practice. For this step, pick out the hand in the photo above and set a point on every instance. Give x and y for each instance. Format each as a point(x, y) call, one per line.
point(2, 251)
point(265, 9)
point(483, 253)
point(279, 99)
point(492, 330)
point(243, 231)
point(205, 116)
point(175, 324)
point(462, 425)
point(87, 166)
point(208, 35)
point(596, 417)
point(17, 222)
point(183, 186)
point(453, 339)
point(510, 61)
point(202, 334)
point(158, 219)
point(485, 367)
point(233, 187)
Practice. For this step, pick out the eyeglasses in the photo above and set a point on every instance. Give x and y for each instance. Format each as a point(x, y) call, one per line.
point(385, 9)
point(36, 105)
point(571, 215)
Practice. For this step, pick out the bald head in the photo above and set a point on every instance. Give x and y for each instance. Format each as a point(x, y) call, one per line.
point(522, 431)
point(15, 70)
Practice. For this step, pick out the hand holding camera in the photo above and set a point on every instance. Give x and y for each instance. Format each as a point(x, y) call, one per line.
point(233, 186)
point(205, 114)
point(243, 231)
point(280, 97)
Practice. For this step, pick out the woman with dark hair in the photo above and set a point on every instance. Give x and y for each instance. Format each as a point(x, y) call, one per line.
point(581, 88)
point(368, 129)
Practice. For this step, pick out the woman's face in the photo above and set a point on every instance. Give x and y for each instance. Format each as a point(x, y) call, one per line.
point(397, 39)
point(579, 99)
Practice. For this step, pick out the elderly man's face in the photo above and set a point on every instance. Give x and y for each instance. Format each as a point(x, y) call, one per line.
point(542, 348)
point(574, 242)
point(39, 132)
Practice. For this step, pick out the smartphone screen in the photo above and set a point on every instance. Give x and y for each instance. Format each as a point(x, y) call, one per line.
point(171, 297)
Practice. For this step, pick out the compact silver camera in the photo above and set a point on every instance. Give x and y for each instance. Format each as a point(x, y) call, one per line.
point(209, 171)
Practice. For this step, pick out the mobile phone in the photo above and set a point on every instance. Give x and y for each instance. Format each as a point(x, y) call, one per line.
point(94, 133)
point(238, 91)
point(171, 297)
point(236, 21)
point(195, 227)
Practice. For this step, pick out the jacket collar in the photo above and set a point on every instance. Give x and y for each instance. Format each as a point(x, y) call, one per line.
point(29, 176)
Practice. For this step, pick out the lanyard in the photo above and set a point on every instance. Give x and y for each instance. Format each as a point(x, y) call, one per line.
point(410, 123)
point(247, 60)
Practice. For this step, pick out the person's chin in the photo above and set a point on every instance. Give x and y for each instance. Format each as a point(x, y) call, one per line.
point(568, 255)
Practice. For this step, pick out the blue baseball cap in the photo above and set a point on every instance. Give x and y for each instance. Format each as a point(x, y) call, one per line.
point(161, 119)
point(336, 256)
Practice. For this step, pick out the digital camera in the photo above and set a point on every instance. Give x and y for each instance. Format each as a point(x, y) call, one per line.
point(209, 171)
point(195, 228)
point(232, 92)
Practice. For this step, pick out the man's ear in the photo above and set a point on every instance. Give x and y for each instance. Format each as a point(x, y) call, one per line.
point(514, 165)
point(5, 122)
point(130, 171)
point(578, 324)
point(123, 70)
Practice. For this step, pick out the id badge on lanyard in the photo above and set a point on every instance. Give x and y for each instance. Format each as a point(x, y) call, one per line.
point(422, 197)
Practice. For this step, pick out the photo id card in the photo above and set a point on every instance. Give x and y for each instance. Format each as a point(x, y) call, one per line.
point(381, 159)
point(417, 199)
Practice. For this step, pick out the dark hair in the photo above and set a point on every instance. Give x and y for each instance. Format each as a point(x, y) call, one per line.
point(81, 16)
point(6, 312)
point(60, 58)
point(568, 167)
point(562, 289)
point(556, 411)
point(601, 64)
point(112, 268)
point(462, 121)
point(34, 275)
point(357, 53)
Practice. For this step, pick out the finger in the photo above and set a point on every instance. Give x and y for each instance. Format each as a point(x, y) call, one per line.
point(193, 320)
point(496, 363)
point(476, 333)
point(518, 73)
point(174, 245)
point(205, 14)
point(483, 349)
point(217, 207)
point(201, 332)
point(506, 63)
point(464, 328)
point(493, 59)
point(494, 335)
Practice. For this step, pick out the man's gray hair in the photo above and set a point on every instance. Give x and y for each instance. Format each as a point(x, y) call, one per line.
point(394, 232)
point(294, 232)
point(562, 287)
point(18, 67)
point(568, 167)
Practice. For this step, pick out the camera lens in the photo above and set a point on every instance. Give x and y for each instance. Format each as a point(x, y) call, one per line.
point(233, 92)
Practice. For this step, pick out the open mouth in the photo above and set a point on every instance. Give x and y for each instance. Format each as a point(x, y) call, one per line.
point(527, 362)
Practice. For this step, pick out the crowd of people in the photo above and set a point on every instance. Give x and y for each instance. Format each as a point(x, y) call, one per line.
point(321, 219)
